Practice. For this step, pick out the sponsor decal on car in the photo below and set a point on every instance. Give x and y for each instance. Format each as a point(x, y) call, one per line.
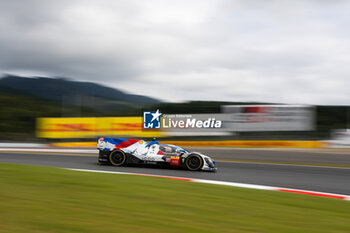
point(148, 158)
point(175, 160)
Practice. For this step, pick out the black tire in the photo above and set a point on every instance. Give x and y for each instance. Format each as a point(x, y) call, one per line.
point(194, 162)
point(117, 158)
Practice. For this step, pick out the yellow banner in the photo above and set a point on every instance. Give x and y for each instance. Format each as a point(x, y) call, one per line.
point(257, 143)
point(88, 127)
point(287, 144)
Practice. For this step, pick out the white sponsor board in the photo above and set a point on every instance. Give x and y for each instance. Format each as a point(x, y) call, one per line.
point(245, 118)
point(340, 139)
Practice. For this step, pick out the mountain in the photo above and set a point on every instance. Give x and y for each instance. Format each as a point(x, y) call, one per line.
point(69, 92)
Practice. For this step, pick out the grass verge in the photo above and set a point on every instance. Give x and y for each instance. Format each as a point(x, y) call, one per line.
point(43, 199)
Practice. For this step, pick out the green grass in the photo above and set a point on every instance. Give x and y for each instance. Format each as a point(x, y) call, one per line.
point(42, 199)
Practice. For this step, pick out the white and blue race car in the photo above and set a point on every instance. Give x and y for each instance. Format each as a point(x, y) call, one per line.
point(119, 151)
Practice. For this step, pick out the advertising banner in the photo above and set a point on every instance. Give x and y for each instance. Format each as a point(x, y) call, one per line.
point(234, 118)
point(87, 127)
point(245, 118)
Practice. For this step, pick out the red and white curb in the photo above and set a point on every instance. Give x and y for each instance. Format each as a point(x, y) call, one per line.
point(234, 184)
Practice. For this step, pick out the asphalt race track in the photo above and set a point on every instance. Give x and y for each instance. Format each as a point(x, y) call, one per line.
point(279, 155)
point(322, 179)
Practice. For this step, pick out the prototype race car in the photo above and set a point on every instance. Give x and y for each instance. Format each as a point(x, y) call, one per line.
point(119, 151)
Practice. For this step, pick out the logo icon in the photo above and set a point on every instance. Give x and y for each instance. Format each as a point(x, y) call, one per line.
point(151, 120)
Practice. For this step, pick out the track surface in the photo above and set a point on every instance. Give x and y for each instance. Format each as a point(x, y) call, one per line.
point(282, 155)
point(323, 179)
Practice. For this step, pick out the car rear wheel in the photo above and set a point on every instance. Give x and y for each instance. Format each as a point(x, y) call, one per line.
point(117, 158)
point(194, 162)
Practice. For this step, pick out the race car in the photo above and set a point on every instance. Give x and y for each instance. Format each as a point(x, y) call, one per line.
point(119, 151)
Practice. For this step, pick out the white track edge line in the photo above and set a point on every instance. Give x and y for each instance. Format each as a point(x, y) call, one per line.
point(283, 164)
point(226, 183)
point(49, 150)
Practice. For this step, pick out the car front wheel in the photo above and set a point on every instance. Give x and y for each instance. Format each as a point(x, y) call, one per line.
point(194, 162)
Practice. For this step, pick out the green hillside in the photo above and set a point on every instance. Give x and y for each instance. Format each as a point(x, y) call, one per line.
point(87, 94)
point(18, 112)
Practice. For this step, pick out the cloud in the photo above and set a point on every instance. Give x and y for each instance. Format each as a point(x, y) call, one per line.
point(268, 51)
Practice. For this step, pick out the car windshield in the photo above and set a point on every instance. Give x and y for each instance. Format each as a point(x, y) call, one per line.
point(171, 149)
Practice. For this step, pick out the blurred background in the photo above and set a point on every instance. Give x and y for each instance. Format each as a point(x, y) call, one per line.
point(55, 109)
point(73, 70)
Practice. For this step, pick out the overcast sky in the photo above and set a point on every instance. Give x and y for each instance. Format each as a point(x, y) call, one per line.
point(248, 50)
